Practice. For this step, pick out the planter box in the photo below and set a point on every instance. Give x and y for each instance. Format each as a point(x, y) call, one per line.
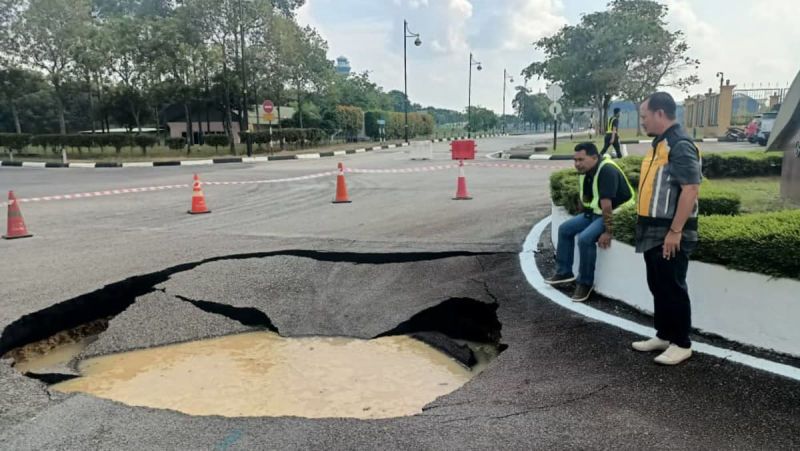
point(748, 308)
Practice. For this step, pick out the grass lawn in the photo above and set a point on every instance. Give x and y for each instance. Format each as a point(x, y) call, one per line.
point(567, 146)
point(758, 194)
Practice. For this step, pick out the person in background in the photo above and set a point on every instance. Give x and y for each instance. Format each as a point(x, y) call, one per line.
point(612, 135)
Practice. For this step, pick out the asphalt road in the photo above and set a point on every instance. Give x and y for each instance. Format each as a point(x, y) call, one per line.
point(563, 381)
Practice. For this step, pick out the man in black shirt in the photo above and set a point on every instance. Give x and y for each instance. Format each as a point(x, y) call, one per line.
point(603, 188)
point(612, 134)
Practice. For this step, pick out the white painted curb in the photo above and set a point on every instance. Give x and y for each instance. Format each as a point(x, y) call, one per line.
point(535, 279)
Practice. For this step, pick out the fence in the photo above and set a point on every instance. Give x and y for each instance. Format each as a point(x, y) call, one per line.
point(747, 103)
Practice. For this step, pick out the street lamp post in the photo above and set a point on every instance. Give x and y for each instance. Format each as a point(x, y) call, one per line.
point(510, 79)
point(418, 42)
point(472, 62)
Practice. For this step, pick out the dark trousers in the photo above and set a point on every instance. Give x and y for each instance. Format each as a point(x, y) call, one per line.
point(667, 282)
point(607, 142)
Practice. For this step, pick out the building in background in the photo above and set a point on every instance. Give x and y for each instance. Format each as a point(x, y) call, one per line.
point(342, 66)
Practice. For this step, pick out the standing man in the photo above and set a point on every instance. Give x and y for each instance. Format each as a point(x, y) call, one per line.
point(666, 230)
point(612, 134)
point(603, 188)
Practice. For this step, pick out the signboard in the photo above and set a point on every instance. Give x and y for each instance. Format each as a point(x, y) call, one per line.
point(554, 93)
point(381, 122)
point(555, 109)
point(267, 106)
point(268, 117)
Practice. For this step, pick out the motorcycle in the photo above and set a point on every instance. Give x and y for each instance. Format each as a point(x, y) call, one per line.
point(735, 134)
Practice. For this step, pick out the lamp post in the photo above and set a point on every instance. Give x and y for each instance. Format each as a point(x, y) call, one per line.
point(245, 110)
point(418, 42)
point(506, 78)
point(472, 62)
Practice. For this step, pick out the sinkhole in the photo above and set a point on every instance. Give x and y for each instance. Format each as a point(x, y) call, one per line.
point(285, 346)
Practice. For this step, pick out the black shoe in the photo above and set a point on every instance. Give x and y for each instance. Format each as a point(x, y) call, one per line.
point(559, 279)
point(582, 292)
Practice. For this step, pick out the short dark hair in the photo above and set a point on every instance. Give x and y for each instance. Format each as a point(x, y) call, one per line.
point(664, 102)
point(588, 147)
point(617, 110)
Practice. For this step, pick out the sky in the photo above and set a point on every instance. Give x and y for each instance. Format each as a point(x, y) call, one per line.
point(754, 43)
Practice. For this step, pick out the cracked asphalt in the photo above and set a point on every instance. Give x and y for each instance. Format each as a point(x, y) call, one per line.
point(563, 382)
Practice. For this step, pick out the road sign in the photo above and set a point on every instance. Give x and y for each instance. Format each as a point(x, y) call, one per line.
point(555, 93)
point(267, 106)
point(555, 109)
point(268, 117)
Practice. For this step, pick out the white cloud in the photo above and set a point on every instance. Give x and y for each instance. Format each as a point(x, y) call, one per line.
point(530, 20)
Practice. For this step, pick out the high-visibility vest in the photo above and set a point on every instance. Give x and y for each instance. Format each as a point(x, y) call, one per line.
point(594, 205)
point(610, 128)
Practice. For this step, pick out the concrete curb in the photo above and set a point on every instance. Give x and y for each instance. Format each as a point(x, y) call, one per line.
point(221, 160)
point(207, 162)
point(536, 280)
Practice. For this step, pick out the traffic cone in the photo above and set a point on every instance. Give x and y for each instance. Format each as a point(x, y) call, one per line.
point(16, 225)
point(198, 199)
point(341, 188)
point(461, 191)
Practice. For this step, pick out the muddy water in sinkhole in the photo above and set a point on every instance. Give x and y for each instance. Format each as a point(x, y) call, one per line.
point(264, 374)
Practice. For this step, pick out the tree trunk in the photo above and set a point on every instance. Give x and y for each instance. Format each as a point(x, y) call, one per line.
point(189, 134)
point(228, 117)
point(91, 101)
point(60, 106)
point(638, 120)
point(15, 113)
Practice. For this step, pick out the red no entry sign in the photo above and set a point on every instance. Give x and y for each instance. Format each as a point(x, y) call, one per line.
point(267, 106)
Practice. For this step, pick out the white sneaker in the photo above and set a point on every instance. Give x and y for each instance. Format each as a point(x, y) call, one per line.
point(653, 344)
point(674, 355)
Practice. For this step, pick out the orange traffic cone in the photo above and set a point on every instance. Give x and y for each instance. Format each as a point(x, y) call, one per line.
point(461, 190)
point(341, 188)
point(198, 199)
point(16, 225)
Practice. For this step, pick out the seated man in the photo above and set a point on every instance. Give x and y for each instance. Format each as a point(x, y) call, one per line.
point(604, 188)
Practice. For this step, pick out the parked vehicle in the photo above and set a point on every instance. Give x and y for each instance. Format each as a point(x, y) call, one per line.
point(735, 134)
point(751, 130)
point(765, 127)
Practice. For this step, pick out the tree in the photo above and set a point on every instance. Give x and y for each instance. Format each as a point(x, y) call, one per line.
point(624, 49)
point(45, 38)
point(16, 84)
point(482, 119)
point(658, 60)
point(304, 50)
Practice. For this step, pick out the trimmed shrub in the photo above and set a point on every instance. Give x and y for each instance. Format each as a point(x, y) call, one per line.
point(349, 119)
point(144, 141)
point(176, 143)
point(117, 141)
point(713, 201)
point(14, 141)
point(765, 243)
point(217, 141)
point(750, 164)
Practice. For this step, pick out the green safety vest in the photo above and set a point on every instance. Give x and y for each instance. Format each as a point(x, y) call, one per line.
point(594, 205)
point(610, 128)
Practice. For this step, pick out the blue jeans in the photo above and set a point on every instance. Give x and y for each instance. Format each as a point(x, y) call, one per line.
point(588, 229)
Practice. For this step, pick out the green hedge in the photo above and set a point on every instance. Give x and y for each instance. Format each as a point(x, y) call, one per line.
point(750, 164)
point(14, 141)
point(419, 124)
point(176, 143)
point(216, 140)
point(712, 201)
point(765, 243)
